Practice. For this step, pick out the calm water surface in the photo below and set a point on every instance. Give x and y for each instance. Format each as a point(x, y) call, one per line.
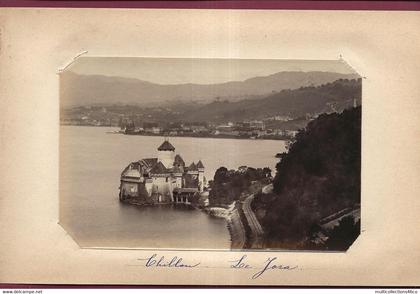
point(90, 165)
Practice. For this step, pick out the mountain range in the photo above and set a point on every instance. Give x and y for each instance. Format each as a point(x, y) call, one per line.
point(326, 98)
point(79, 90)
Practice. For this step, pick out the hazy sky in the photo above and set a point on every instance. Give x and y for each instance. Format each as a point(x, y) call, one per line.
point(199, 71)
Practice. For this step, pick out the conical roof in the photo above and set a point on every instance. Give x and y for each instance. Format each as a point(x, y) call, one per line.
point(166, 146)
point(200, 164)
point(192, 167)
point(178, 160)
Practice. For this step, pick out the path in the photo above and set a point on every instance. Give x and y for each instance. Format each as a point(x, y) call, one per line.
point(256, 229)
point(237, 231)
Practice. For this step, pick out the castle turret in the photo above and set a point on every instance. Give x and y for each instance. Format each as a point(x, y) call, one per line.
point(166, 154)
point(200, 168)
point(179, 161)
point(178, 172)
point(192, 169)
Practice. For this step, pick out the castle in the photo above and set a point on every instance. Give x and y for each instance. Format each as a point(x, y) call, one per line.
point(163, 179)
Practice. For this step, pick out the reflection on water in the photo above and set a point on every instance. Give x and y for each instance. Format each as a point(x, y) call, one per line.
point(90, 165)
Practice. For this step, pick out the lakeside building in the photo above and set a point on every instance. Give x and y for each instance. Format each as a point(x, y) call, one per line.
point(162, 179)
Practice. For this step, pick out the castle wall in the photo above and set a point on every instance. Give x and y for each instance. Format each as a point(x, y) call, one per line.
point(163, 186)
point(142, 190)
point(149, 186)
point(201, 180)
point(178, 182)
point(191, 180)
point(134, 189)
point(129, 189)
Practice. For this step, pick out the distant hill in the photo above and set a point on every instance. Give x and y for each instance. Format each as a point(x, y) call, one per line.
point(330, 97)
point(78, 89)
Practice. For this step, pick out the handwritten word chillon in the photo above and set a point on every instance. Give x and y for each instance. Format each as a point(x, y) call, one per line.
point(155, 261)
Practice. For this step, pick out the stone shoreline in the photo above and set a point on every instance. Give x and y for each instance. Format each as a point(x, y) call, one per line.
point(234, 224)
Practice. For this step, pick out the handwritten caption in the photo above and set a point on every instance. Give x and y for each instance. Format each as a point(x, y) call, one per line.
point(242, 263)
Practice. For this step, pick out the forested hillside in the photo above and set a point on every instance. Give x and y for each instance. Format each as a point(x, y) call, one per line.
point(331, 97)
point(319, 175)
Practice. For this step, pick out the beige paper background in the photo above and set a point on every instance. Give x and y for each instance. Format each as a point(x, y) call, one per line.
point(382, 46)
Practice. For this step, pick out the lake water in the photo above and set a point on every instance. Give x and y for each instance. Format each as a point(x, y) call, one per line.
point(91, 161)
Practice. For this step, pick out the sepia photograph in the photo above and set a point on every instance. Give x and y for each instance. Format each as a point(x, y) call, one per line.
point(208, 146)
point(213, 154)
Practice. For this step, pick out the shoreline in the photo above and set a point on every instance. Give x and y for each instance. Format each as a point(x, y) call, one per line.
point(282, 138)
point(233, 223)
point(277, 138)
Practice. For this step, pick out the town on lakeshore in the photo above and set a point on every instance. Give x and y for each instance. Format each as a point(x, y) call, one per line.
point(276, 127)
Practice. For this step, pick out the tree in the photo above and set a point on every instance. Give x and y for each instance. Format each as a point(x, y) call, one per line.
point(221, 175)
point(267, 172)
point(229, 185)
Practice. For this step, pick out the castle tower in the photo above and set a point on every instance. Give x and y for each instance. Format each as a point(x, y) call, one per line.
point(166, 154)
point(200, 168)
point(178, 170)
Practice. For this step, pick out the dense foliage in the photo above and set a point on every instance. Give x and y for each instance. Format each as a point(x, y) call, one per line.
point(229, 185)
point(343, 235)
point(319, 175)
